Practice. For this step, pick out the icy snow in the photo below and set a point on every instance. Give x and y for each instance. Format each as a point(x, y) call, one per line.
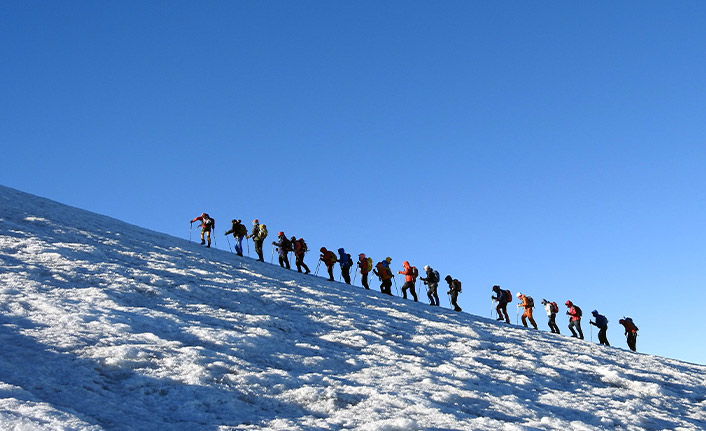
point(108, 326)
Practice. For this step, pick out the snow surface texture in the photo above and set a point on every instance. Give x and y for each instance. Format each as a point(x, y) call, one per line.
point(107, 326)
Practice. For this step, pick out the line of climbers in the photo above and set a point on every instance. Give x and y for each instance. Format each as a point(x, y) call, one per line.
point(382, 270)
point(504, 297)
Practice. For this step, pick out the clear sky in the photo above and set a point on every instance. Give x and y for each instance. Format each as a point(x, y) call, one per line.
point(556, 148)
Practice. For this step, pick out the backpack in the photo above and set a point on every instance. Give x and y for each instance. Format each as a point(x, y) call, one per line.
point(415, 273)
point(370, 264)
point(553, 307)
point(437, 277)
point(262, 232)
point(579, 313)
point(241, 229)
point(629, 319)
point(458, 283)
point(508, 295)
point(530, 301)
point(286, 244)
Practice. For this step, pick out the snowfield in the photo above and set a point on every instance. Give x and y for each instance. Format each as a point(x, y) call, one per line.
point(108, 326)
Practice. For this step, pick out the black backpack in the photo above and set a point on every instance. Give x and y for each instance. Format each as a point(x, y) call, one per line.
point(286, 244)
point(579, 313)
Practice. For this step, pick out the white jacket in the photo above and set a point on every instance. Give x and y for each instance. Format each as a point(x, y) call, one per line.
point(548, 308)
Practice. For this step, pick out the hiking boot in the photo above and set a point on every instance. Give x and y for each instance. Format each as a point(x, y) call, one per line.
point(500, 318)
point(203, 242)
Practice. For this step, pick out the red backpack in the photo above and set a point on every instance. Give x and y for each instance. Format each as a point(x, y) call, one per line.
point(508, 295)
point(553, 307)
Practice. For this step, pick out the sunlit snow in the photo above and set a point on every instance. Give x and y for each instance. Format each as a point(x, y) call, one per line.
point(108, 326)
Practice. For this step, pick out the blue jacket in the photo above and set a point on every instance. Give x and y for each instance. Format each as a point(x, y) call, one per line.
point(345, 258)
point(601, 320)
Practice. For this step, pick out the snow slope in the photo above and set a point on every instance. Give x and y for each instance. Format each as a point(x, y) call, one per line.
point(108, 326)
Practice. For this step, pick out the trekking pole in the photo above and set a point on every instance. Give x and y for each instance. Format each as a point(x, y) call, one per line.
point(355, 274)
point(394, 279)
point(191, 227)
point(317, 268)
point(272, 258)
point(492, 302)
point(591, 332)
point(248, 241)
point(517, 316)
point(228, 239)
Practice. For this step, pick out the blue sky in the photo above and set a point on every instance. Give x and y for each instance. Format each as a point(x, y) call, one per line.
point(553, 148)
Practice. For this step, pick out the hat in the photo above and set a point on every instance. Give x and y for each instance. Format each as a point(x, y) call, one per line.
point(405, 263)
point(280, 234)
point(519, 294)
point(362, 255)
point(323, 250)
point(569, 303)
point(427, 267)
point(388, 259)
point(255, 221)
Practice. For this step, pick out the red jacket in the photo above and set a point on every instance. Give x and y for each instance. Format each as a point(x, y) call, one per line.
point(408, 273)
point(206, 222)
point(328, 257)
point(574, 316)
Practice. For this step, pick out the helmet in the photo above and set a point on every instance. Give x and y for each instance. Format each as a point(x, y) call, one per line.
point(255, 221)
point(519, 294)
point(569, 303)
point(427, 267)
